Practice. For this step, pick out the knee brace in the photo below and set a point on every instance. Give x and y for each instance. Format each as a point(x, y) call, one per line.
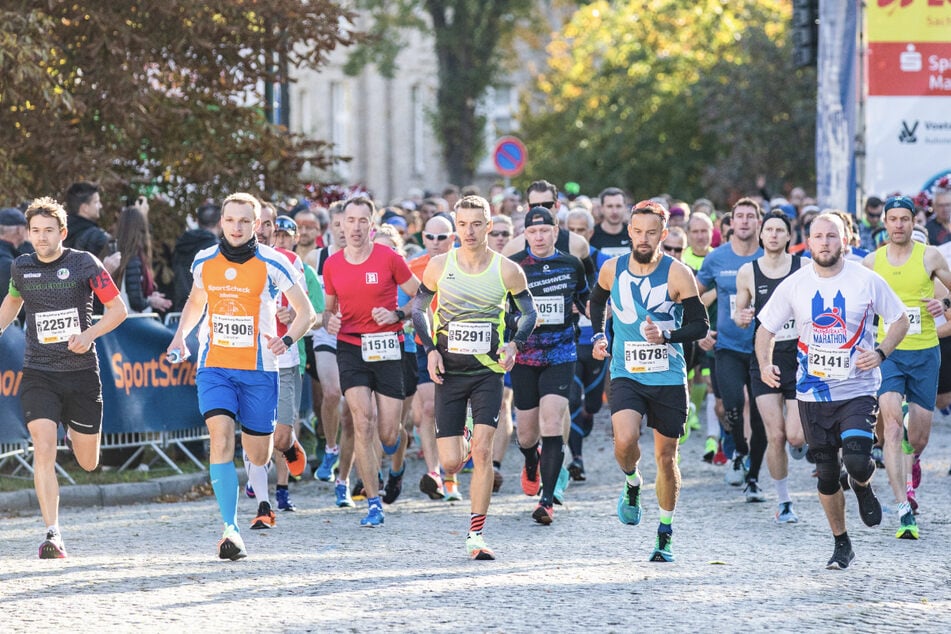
point(733, 420)
point(391, 449)
point(827, 469)
point(857, 454)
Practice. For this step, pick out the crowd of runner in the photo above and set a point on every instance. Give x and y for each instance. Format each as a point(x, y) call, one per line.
point(775, 329)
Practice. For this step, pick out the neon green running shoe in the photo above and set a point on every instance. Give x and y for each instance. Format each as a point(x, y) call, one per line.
point(662, 551)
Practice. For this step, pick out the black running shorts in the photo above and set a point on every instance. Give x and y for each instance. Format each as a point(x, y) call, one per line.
point(664, 405)
point(482, 391)
point(531, 382)
point(383, 377)
point(71, 398)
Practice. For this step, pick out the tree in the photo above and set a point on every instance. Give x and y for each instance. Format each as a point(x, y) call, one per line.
point(164, 97)
point(468, 36)
point(690, 97)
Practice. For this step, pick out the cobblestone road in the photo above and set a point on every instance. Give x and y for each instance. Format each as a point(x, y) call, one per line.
point(152, 566)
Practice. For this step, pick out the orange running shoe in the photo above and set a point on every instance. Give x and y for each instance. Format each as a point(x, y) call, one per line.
point(544, 515)
point(529, 486)
point(296, 459)
point(265, 518)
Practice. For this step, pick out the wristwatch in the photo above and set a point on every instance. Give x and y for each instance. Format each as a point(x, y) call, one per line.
point(946, 302)
point(288, 341)
point(666, 334)
point(400, 315)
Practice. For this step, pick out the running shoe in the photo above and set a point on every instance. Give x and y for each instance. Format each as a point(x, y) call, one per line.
point(684, 436)
point(475, 546)
point(497, 479)
point(710, 449)
point(431, 485)
point(785, 514)
point(374, 517)
point(284, 501)
point(842, 556)
point(343, 496)
point(265, 517)
point(357, 492)
point(736, 474)
point(231, 546)
point(909, 526)
point(662, 551)
point(52, 547)
point(561, 485)
point(392, 488)
point(911, 497)
point(798, 453)
point(530, 486)
point(878, 455)
point(325, 472)
point(719, 458)
point(248, 491)
point(693, 421)
point(753, 492)
point(296, 459)
point(544, 515)
point(468, 466)
point(629, 504)
point(576, 470)
point(916, 471)
point(452, 491)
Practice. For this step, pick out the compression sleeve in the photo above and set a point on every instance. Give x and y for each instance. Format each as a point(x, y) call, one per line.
point(599, 300)
point(696, 323)
point(421, 303)
point(526, 323)
point(588, 263)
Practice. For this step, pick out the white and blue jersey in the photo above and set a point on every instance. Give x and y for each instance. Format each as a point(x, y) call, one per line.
point(719, 270)
point(634, 298)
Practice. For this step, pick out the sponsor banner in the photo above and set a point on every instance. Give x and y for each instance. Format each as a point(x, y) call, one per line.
point(12, 426)
point(910, 69)
point(908, 20)
point(909, 140)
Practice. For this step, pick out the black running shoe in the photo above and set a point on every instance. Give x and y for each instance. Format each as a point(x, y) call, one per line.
point(869, 507)
point(393, 488)
point(576, 470)
point(842, 556)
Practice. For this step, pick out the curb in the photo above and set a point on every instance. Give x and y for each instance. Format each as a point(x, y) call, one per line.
point(107, 494)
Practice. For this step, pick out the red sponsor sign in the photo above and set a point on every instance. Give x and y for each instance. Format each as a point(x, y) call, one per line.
point(909, 69)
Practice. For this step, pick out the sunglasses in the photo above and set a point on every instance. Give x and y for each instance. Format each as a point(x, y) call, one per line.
point(500, 234)
point(673, 249)
point(437, 236)
point(550, 204)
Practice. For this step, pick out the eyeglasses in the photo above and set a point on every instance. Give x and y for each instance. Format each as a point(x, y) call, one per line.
point(673, 249)
point(548, 204)
point(500, 234)
point(437, 236)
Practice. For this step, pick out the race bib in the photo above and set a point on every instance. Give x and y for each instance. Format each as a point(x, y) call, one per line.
point(551, 311)
point(640, 356)
point(381, 346)
point(232, 331)
point(830, 363)
point(57, 326)
point(914, 322)
point(470, 337)
point(788, 331)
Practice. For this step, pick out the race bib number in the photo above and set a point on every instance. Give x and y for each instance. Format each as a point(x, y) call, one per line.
point(232, 331)
point(788, 331)
point(551, 311)
point(471, 337)
point(381, 346)
point(914, 322)
point(57, 326)
point(830, 363)
point(640, 356)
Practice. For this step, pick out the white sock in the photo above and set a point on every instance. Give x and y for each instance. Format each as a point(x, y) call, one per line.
point(257, 478)
point(713, 423)
point(782, 491)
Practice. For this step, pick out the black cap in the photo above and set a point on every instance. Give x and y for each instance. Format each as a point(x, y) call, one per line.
point(539, 216)
point(12, 217)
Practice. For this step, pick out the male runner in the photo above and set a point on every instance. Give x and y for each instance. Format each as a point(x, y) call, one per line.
point(360, 285)
point(755, 283)
point(833, 302)
point(610, 236)
point(656, 309)
point(238, 281)
point(911, 372)
point(468, 357)
point(60, 380)
point(545, 367)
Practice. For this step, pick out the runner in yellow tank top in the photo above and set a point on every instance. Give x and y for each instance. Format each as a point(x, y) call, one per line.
point(910, 373)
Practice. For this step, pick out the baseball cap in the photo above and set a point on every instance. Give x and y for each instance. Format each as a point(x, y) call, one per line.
point(900, 201)
point(677, 211)
point(286, 224)
point(396, 221)
point(788, 209)
point(12, 217)
point(539, 216)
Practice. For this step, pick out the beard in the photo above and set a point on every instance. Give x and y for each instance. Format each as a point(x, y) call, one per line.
point(643, 257)
point(829, 260)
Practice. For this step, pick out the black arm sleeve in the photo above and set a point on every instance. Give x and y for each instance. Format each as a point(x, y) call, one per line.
point(421, 302)
point(588, 263)
point(599, 300)
point(695, 324)
point(582, 292)
point(526, 323)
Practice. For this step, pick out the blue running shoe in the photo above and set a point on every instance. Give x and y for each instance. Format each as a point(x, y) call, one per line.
point(662, 551)
point(798, 453)
point(374, 517)
point(342, 492)
point(325, 472)
point(561, 486)
point(284, 502)
point(629, 505)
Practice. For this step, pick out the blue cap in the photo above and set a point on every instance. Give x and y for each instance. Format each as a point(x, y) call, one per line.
point(788, 209)
point(12, 217)
point(900, 201)
point(396, 221)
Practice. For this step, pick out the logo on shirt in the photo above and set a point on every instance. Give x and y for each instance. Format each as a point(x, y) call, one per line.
point(231, 273)
point(828, 322)
point(545, 268)
point(372, 278)
point(450, 276)
point(27, 276)
point(63, 273)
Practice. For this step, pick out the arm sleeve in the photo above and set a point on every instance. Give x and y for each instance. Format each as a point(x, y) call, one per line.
point(582, 292)
point(599, 300)
point(695, 324)
point(587, 265)
point(421, 302)
point(526, 323)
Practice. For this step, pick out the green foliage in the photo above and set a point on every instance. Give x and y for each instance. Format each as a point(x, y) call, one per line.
point(160, 97)
point(689, 97)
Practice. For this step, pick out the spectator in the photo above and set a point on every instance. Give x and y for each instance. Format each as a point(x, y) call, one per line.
point(83, 204)
point(136, 281)
point(12, 237)
point(189, 244)
point(871, 221)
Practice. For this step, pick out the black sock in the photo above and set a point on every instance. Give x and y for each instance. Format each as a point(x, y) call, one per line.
point(575, 441)
point(531, 461)
point(282, 487)
point(553, 456)
point(842, 539)
point(496, 464)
